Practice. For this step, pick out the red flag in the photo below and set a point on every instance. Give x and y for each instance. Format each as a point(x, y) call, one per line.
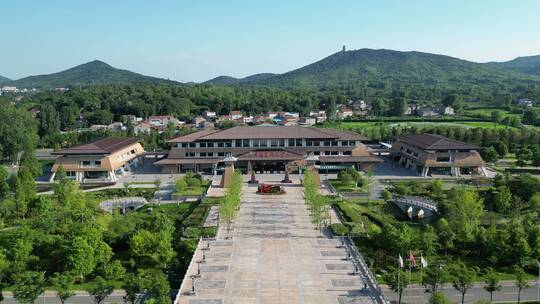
point(412, 259)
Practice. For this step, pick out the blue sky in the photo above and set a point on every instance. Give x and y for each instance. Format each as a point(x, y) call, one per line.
point(199, 39)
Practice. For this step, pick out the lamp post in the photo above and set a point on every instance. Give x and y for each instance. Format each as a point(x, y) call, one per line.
point(538, 282)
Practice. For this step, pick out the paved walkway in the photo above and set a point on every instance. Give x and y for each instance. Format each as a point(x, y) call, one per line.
point(275, 256)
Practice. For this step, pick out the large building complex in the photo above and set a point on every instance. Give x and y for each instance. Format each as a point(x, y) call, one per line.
point(430, 154)
point(100, 160)
point(267, 149)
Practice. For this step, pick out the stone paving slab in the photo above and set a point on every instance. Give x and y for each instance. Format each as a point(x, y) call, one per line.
point(275, 256)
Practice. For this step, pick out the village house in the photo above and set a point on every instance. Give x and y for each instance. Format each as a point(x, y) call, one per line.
point(344, 112)
point(209, 114)
point(236, 115)
point(525, 102)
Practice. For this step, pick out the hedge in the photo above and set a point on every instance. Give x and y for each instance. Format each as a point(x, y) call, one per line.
point(340, 229)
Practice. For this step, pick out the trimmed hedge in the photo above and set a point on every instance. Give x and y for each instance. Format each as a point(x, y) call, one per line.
point(340, 229)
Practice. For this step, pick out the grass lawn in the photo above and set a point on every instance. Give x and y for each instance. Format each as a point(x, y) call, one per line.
point(194, 191)
point(459, 124)
point(341, 187)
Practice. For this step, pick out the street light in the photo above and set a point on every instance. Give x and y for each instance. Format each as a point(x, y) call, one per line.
point(538, 282)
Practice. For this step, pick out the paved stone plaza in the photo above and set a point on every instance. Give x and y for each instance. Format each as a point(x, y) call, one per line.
point(275, 256)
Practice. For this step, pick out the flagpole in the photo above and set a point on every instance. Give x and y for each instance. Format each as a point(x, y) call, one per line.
point(398, 281)
point(421, 267)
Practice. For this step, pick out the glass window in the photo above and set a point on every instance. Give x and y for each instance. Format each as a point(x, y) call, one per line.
point(202, 144)
point(228, 144)
point(220, 144)
point(334, 153)
point(221, 154)
point(291, 142)
point(192, 145)
point(443, 159)
point(202, 154)
point(352, 143)
point(345, 143)
point(274, 142)
point(255, 143)
point(282, 142)
point(245, 143)
point(97, 163)
point(317, 153)
point(316, 143)
point(327, 143)
point(210, 154)
point(309, 143)
point(347, 153)
point(298, 142)
point(334, 143)
point(238, 143)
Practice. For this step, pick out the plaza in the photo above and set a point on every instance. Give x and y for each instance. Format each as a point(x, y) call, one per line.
point(274, 255)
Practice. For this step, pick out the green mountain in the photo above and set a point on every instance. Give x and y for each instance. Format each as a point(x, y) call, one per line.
point(388, 68)
point(228, 80)
point(526, 65)
point(4, 80)
point(92, 73)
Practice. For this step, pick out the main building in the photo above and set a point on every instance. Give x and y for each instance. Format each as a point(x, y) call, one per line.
point(267, 149)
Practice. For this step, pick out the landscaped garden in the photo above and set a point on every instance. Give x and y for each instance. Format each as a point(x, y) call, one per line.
point(191, 185)
point(65, 242)
point(480, 227)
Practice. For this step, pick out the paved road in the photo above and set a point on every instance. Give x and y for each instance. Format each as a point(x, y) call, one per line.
point(275, 256)
point(507, 294)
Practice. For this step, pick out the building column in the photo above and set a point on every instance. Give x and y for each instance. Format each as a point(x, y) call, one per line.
point(425, 171)
point(51, 179)
point(79, 176)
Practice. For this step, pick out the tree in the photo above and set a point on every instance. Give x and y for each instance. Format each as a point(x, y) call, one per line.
point(464, 213)
point(489, 154)
point(28, 286)
point(492, 283)
point(157, 184)
point(4, 186)
point(434, 277)
point(345, 177)
point(438, 298)
point(462, 278)
point(396, 281)
point(49, 121)
point(63, 283)
point(133, 286)
point(502, 199)
point(152, 249)
point(496, 117)
point(521, 281)
point(157, 287)
point(100, 290)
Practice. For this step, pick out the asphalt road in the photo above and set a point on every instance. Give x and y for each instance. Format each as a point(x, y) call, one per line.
point(508, 293)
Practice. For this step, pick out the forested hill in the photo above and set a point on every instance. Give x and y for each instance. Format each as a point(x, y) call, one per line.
point(527, 65)
point(92, 73)
point(4, 80)
point(228, 80)
point(383, 68)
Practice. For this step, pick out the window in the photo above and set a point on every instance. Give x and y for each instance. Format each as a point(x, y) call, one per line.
point(85, 163)
point(228, 144)
point(132, 151)
point(97, 163)
point(347, 153)
point(291, 142)
point(317, 153)
point(221, 154)
point(202, 144)
point(256, 143)
point(191, 154)
point(184, 145)
point(326, 152)
point(443, 159)
point(220, 144)
point(327, 143)
point(274, 142)
point(210, 154)
point(316, 143)
point(192, 145)
point(282, 142)
point(352, 143)
point(245, 143)
point(309, 143)
point(345, 143)
point(299, 142)
point(202, 154)
point(334, 153)
point(334, 143)
point(237, 142)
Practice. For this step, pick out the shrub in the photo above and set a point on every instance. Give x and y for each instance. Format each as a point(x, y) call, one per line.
point(339, 229)
point(181, 184)
point(193, 182)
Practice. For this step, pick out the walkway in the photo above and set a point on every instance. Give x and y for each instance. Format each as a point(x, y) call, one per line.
point(275, 256)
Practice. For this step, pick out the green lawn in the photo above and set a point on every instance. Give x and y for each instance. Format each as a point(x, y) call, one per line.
point(194, 191)
point(460, 124)
point(341, 187)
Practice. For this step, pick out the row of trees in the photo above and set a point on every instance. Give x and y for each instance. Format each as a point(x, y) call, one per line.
point(230, 203)
point(460, 276)
point(317, 203)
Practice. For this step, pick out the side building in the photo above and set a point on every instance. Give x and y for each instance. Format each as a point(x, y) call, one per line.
point(429, 154)
point(101, 160)
point(267, 149)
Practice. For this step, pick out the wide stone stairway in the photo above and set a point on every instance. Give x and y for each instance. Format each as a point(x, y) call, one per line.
point(275, 256)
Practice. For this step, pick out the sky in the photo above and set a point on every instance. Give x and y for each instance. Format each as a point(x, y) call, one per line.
point(201, 39)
